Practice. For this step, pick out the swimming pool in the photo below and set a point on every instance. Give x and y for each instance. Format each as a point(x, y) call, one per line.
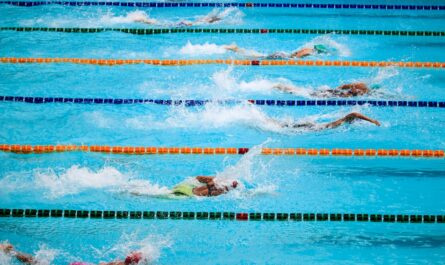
point(270, 184)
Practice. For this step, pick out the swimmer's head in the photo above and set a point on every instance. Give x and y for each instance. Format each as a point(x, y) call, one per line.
point(319, 48)
point(133, 258)
point(234, 184)
point(375, 86)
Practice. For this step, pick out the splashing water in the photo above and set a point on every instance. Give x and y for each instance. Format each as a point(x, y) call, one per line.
point(43, 256)
point(202, 49)
point(230, 15)
point(77, 179)
point(224, 80)
point(217, 116)
point(150, 247)
point(327, 40)
point(46, 255)
point(131, 17)
point(384, 74)
point(248, 173)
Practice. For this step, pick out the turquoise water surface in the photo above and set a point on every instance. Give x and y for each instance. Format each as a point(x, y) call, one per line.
point(95, 181)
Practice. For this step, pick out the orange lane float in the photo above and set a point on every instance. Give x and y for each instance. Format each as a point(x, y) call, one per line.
point(139, 150)
point(175, 62)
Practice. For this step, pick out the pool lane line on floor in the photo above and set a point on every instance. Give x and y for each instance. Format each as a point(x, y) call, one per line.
point(202, 102)
point(187, 215)
point(151, 31)
point(188, 62)
point(151, 150)
point(242, 5)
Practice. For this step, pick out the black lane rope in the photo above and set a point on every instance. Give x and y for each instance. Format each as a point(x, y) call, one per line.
point(187, 215)
point(151, 31)
point(247, 5)
point(199, 102)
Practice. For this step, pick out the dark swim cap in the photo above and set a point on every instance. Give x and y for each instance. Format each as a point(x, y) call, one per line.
point(320, 48)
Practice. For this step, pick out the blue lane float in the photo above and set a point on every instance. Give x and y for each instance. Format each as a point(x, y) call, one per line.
point(241, 5)
point(199, 102)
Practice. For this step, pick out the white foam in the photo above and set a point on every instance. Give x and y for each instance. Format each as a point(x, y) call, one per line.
point(150, 246)
point(230, 15)
point(131, 17)
point(99, 119)
point(384, 74)
point(341, 49)
point(76, 179)
point(218, 116)
point(226, 82)
point(45, 255)
point(202, 49)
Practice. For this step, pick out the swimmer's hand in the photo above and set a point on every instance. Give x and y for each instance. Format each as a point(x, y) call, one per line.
point(6, 248)
point(376, 122)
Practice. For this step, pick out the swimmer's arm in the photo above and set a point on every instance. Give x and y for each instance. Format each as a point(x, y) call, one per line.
point(284, 88)
point(145, 21)
point(302, 53)
point(25, 258)
point(350, 118)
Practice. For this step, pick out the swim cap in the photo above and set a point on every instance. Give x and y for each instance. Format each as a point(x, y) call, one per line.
point(375, 86)
point(78, 263)
point(320, 48)
point(133, 258)
point(234, 184)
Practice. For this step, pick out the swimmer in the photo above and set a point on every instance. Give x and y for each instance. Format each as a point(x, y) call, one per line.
point(205, 187)
point(209, 19)
point(317, 49)
point(350, 118)
point(132, 259)
point(343, 91)
point(20, 256)
point(147, 20)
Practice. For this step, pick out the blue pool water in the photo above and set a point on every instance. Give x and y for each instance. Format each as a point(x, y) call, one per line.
point(95, 181)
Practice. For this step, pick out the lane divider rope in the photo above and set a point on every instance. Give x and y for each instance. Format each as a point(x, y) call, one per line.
point(199, 102)
point(142, 31)
point(247, 5)
point(180, 215)
point(141, 150)
point(182, 62)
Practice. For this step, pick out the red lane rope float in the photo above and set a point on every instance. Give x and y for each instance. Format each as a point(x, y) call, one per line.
point(142, 150)
point(183, 62)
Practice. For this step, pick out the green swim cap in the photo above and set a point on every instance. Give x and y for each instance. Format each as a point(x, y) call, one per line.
point(375, 86)
point(320, 48)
